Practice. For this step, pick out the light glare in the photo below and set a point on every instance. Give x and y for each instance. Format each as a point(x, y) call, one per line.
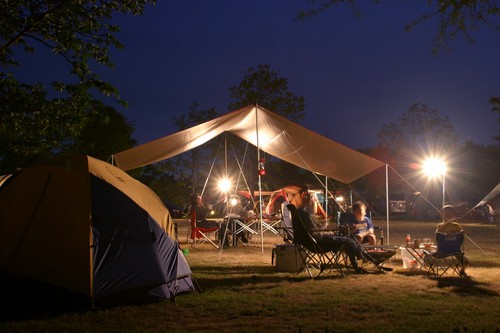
point(434, 167)
point(224, 185)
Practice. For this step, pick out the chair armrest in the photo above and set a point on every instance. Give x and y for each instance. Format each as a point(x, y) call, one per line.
point(333, 228)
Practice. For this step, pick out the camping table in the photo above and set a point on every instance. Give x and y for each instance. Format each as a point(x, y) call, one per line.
point(237, 225)
point(270, 225)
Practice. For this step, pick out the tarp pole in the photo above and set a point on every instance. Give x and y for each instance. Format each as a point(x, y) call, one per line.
point(260, 180)
point(326, 199)
point(387, 200)
point(350, 198)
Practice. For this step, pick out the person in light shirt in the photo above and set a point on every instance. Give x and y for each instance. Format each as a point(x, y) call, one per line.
point(362, 226)
point(449, 224)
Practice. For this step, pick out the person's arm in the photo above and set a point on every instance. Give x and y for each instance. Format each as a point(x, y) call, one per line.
point(353, 227)
point(371, 228)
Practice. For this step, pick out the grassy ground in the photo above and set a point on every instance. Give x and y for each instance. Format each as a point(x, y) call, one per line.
point(243, 292)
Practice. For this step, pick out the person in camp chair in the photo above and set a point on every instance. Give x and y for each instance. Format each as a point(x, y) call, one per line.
point(328, 239)
point(199, 209)
point(450, 225)
point(362, 226)
point(450, 222)
point(331, 240)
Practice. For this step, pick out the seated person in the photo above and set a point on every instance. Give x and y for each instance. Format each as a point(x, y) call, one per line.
point(449, 224)
point(200, 212)
point(330, 240)
point(362, 226)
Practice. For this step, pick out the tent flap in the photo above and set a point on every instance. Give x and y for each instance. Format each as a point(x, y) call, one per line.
point(493, 195)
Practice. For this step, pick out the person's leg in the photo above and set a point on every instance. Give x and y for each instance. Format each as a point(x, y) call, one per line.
point(352, 256)
point(354, 251)
point(371, 239)
point(359, 238)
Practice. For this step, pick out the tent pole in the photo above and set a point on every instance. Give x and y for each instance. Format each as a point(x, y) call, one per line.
point(387, 200)
point(260, 178)
point(350, 197)
point(326, 199)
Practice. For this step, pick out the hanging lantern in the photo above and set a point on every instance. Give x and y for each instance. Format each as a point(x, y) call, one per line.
point(261, 168)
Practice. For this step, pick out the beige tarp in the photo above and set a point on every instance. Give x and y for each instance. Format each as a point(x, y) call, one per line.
point(270, 132)
point(490, 197)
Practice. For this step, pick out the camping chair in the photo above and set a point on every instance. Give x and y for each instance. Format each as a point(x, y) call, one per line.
point(449, 255)
point(200, 235)
point(316, 254)
point(286, 228)
point(375, 256)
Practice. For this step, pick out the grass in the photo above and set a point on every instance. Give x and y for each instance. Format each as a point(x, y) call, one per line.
point(243, 292)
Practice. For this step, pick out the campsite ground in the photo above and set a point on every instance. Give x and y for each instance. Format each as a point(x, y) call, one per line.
point(243, 292)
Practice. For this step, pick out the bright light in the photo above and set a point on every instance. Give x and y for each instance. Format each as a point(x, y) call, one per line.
point(339, 199)
point(224, 185)
point(233, 201)
point(434, 167)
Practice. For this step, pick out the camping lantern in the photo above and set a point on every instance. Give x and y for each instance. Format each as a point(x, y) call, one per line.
point(261, 168)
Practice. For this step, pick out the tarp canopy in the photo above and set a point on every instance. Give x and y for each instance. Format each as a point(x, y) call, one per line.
point(266, 130)
point(492, 197)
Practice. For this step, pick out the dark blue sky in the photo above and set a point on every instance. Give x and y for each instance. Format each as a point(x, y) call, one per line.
point(355, 74)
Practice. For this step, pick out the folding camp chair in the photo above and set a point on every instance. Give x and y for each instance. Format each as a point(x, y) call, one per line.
point(199, 234)
point(318, 253)
point(449, 255)
point(285, 228)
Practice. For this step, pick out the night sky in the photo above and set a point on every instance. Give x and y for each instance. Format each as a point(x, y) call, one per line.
point(355, 74)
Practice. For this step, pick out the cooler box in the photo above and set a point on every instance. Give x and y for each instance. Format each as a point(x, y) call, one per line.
point(287, 258)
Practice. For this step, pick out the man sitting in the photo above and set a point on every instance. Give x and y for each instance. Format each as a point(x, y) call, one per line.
point(330, 240)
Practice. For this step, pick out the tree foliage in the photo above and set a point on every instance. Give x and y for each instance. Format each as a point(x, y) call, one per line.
point(36, 119)
point(265, 86)
point(419, 130)
point(455, 17)
point(106, 132)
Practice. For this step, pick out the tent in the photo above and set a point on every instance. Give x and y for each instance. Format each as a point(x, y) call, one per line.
point(86, 227)
point(269, 132)
point(291, 194)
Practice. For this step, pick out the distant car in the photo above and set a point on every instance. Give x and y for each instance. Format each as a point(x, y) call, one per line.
point(176, 211)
